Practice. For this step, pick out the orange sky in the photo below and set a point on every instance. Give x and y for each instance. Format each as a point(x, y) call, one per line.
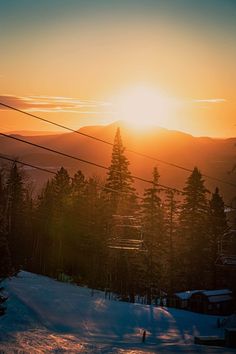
point(92, 54)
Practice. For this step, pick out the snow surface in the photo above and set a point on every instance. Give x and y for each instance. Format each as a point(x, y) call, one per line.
point(47, 316)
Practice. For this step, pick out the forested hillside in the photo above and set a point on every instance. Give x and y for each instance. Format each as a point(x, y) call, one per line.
point(101, 233)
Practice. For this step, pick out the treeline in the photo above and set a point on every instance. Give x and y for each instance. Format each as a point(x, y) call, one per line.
point(64, 232)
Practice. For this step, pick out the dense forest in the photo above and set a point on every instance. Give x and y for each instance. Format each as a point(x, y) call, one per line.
point(104, 235)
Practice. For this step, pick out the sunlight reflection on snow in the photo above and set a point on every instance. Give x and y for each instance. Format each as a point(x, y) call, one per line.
point(100, 304)
point(41, 341)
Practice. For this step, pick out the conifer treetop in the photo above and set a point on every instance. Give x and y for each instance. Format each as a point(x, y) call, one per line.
point(119, 176)
point(120, 180)
point(195, 190)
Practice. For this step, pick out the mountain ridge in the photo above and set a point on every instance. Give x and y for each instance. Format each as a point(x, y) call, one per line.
point(213, 156)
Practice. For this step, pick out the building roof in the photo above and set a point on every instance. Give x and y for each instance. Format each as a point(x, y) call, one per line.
point(216, 292)
point(185, 295)
point(219, 298)
point(213, 295)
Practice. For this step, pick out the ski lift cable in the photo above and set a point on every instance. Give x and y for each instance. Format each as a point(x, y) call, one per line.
point(130, 244)
point(48, 171)
point(28, 165)
point(111, 144)
point(86, 161)
point(55, 173)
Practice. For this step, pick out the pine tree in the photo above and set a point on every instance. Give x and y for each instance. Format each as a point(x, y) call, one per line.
point(53, 217)
point(78, 186)
point(61, 187)
point(194, 230)
point(153, 225)
point(171, 222)
point(218, 229)
point(28, 237)
point(5, 259)
point(218, 217)
point(119, 179)
point(96, 233)
point(120, 199)
point(42, 245)
point(77, 242)
point(15, 194)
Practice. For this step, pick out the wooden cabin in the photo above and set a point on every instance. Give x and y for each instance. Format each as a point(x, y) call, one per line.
point(180, 300)
point(214, 302)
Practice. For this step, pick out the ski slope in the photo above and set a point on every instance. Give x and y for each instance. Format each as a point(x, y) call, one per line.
point(47, 316)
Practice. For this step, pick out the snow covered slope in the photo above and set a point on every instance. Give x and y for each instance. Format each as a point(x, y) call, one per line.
point(46, 316)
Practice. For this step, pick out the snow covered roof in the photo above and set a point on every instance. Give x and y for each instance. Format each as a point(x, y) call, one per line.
point(220, 298)
point(216, 292)
point(185, 295)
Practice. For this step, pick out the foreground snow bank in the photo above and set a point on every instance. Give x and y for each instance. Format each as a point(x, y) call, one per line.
point(44, 315)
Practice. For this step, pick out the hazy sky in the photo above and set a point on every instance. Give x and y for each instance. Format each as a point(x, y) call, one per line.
point(71, 61)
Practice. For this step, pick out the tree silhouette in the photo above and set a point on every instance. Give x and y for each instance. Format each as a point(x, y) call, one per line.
point(119, 179)
point(153, 226)
point(194, 229)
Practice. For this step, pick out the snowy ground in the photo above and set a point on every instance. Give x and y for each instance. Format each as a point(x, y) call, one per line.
point(46, 316)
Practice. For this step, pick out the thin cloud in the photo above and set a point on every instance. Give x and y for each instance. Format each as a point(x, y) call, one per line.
point(210, 100)
point(54, 104)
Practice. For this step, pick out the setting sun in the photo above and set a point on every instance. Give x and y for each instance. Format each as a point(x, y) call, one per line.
point(144, 107)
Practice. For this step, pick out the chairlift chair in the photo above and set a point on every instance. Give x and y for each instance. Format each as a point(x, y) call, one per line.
point(225, 257)
point(127, 234)
point(224, 260)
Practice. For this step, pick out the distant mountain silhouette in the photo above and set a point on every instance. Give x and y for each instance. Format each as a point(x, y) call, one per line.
point(213, 156)
point(33, 132)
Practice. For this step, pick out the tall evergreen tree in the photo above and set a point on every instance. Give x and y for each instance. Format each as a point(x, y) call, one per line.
point(42, 243)
point(218, 229)
point(194, 230)
point(61, 186)
point(53, 218)
point(79, 240)
point(121, 200)
point(78, 186)
point(16, 216)
point(119, 179)
point(79, 223)
point(96, 233)
point(5, 259)
point(153, 224)
point(28, 237)
point(171, 205)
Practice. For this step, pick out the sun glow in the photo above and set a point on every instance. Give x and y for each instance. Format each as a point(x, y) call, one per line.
point(143, 107)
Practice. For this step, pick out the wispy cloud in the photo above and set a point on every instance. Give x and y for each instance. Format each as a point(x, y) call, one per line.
point(210, 100)
point(56, 104)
